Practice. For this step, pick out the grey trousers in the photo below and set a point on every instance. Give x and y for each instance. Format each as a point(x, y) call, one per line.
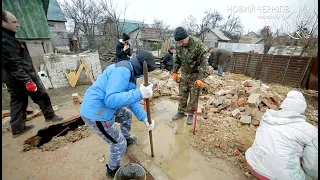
point(116, 138)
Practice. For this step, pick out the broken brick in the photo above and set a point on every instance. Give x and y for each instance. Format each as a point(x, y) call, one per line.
point(257, 115)
point(255, 122)
point(229, 96)
point(245, 119)
point(29, 110)
point(254, 100)
point(241, 109)
point(254, 90)
point(225, 104)
point(236, 113)
point(236, 152)
point(5, 113)
point(270, 105)
point(219, 101)
point(241, 92)
point(242, 101)
point(29, 117)
point(36, 113)
point(211, 100)
point(214, 110)
point(275, 100)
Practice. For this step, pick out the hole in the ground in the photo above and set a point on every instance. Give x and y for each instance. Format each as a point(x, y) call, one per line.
point(75, 127)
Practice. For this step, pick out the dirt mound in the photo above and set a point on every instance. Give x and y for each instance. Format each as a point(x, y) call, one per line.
point(71, 137)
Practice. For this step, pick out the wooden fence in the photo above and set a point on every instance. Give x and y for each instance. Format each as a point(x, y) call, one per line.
point(286, 70)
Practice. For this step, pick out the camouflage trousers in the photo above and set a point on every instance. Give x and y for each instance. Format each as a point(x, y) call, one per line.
point(116, 138)
point(188, 89)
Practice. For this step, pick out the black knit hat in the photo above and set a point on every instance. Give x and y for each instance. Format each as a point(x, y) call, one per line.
point(148, 57)
point(137, 62)
point(180, 34)
point(125, 37)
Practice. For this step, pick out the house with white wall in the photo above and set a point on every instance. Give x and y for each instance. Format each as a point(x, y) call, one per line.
point(57, 26)
point(211, 37)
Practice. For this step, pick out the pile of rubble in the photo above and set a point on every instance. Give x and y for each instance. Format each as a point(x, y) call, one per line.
point(246, 103)
point(241, 97)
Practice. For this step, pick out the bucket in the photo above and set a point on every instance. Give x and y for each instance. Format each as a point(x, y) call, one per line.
point(130, 171)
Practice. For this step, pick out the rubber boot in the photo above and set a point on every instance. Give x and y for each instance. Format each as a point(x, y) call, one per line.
point(25, 129)
point(178, 116)
point(190, 119)
point(110, 172)
point(54, 119)
point(131, 140)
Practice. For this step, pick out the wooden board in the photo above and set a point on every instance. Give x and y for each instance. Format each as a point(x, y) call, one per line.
point(73, 77)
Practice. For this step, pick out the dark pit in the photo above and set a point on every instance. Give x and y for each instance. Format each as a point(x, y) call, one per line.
point(45, 135)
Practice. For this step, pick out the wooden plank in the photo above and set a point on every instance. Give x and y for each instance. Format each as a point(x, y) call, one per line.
point(73, 77)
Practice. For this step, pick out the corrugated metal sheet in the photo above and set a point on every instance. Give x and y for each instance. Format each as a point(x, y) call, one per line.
point(278, 69)
point(31, 17)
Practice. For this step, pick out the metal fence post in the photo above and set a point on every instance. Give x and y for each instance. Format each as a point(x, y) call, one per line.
point(285, 72)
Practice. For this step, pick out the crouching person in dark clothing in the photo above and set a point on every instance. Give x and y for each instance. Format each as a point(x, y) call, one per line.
point(21, 79)
point(167, 62)
point(105, 103)
point(123, 51)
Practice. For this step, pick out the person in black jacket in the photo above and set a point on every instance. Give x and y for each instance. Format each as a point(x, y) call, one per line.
point(167, 61)
point(21, 79)
point(123, 48)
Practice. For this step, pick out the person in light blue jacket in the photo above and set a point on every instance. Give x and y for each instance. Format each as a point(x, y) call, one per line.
point(105, 103)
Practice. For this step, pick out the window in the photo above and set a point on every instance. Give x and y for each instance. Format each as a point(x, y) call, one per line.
point(216, 44)
point(51, 25)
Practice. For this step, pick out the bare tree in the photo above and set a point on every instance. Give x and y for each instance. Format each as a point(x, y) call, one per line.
point(85, 14)
point(302, 27)
point(190, 24)
point(232, 27)
point(163, 27)
point(211, 19)
point(117, 15)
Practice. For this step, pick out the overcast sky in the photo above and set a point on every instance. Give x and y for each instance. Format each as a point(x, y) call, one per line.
point(173, 12)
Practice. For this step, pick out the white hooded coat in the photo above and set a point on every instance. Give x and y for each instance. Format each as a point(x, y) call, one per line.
point(285, 146)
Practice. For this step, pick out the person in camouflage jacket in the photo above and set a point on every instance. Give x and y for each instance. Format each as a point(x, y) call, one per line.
point(190, 57)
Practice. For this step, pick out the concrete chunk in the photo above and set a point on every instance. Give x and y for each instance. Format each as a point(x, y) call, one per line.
point(236, 113)
point(254, 100)
point(219, 101)
point(225, 104)
point(245, 119)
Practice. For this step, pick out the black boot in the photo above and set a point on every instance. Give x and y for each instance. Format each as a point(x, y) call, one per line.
point(110, 172)
point(54, 119)
point(178, 116)
point(25, 129)
point(190, 119)
point(131, 140)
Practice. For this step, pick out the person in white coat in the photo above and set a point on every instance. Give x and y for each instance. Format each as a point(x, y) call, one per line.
point(285, 146)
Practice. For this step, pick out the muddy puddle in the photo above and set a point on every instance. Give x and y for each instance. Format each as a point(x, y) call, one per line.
point(172, 151)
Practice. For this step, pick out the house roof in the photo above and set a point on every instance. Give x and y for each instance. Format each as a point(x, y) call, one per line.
point(54, 12)
point(128, 26)
point(31, 16)
point(220, 34)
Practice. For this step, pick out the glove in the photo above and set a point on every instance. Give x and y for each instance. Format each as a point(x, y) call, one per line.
point(199, 83)
point(31, 86)
point(146, 92)
point(149, 126)
point(175, 76)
